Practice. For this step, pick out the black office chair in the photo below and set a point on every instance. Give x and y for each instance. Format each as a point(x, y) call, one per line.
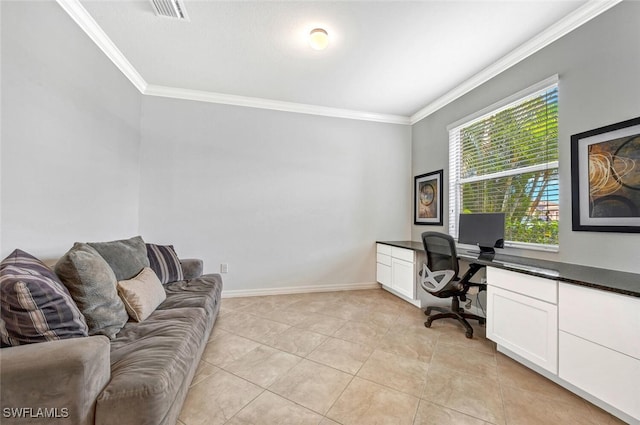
point(440, 278)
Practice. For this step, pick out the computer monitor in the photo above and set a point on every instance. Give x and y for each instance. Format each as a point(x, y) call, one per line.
point(485, 230)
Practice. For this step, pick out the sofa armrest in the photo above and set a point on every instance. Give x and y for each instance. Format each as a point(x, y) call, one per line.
point(54, 382)
point(191, 268)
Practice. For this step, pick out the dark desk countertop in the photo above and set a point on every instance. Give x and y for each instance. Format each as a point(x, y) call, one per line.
point(607, 280)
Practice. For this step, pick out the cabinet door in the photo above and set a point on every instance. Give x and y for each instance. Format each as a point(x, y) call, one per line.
point(383, 274)
point(403, 277)
point(524, 325)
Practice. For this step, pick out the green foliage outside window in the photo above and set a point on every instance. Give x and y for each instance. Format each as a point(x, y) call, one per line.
point(525, 135)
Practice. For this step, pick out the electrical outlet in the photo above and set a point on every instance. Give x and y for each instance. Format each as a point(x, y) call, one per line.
point(224, 268)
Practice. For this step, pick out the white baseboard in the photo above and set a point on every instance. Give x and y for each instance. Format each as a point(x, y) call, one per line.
point(299, 289)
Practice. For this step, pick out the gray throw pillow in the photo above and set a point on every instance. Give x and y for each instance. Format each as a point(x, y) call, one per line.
point(92, 285)
point(126, 257)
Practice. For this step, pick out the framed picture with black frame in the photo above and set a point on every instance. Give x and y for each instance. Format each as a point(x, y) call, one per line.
point(427, 202)
point(605, 178)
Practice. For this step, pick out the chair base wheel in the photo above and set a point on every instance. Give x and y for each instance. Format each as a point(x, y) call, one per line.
point(427, 323)
point(468, 334)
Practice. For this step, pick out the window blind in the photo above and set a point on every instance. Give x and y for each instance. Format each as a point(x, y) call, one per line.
point(506, 160)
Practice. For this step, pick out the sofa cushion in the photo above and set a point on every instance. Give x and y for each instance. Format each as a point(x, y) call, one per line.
point(36, 307)
point(204, 291)
point(92, 285)
point(164, 261)
point(141, 294)
point(126, 257)
point(151, 362)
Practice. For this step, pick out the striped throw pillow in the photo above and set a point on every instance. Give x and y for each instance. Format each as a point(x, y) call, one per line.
point(36, 307)
point(164, 261)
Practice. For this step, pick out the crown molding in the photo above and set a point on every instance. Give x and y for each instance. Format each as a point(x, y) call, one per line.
point(275, 105)
point(579, 17)
point(84, 20)
point(572, 21)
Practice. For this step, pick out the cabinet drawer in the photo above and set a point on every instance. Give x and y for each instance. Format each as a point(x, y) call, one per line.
point(608, 319)
point(531, 286)
point(383, 249)
point(401, 253)
point(383, 259)
point(606, 374)
point(524, 325)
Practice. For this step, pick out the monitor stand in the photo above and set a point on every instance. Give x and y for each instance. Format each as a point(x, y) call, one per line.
point(487, 253)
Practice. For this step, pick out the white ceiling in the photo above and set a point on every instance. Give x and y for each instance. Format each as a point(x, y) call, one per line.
point(384, 57)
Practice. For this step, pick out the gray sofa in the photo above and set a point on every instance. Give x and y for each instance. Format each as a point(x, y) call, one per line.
point(140, 377)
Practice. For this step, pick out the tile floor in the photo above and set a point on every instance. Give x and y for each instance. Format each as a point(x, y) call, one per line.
point(364, 357)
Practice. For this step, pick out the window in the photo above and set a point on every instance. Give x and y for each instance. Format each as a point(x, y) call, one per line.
point(505, 159)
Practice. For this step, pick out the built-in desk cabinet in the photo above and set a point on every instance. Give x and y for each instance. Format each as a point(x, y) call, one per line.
point(588, 340)
point(522, 316)
point(395, 270)
point(599, 342)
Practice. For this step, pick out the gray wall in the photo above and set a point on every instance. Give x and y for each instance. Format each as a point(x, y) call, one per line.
point(599, 69)
point(285, 199)
point(70, 136)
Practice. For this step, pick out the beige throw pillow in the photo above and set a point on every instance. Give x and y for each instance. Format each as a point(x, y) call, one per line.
point(141, 294)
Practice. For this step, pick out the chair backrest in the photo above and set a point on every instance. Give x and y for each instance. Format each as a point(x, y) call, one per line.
point(441, 252)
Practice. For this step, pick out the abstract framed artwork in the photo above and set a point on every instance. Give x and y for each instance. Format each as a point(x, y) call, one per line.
point(427, 203)
point(605, 178)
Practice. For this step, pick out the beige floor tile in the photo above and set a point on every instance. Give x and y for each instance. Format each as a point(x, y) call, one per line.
point(227, 348)
point(340, 354)
point(465, 360)
point(365, 402)
point(361, 333)
point(399, 373)
point(217, 331)
point(601, 417)
point(319, 323)
point(433, 414)
point(216, 399)
point(528, 408)
point(473, 395)
point(263, 365)
point(456, 336)
point(271, 409)
point(252, 327)
point(459, 389)
point(345, 310)
point(513, 374)
point(236, 303)
point(327, 421)
point(267, 304)
point(418, 345)
point(312, 385)
point(288, 316)
point(296, 341)
point(203, 371)
point(377, 317)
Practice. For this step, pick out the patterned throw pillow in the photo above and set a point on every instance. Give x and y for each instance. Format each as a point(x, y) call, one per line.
point(164, 261)
point(36, 307)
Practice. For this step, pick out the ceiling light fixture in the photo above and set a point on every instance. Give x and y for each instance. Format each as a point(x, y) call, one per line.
point(318, 39)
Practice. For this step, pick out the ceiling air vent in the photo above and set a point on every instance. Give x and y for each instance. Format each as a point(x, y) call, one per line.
point(170, 9)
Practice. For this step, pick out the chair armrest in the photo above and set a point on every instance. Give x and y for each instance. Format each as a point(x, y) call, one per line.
point(191, 268)
point(65, 377)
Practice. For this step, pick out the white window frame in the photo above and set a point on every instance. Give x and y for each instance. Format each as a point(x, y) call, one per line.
point(456, 182)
